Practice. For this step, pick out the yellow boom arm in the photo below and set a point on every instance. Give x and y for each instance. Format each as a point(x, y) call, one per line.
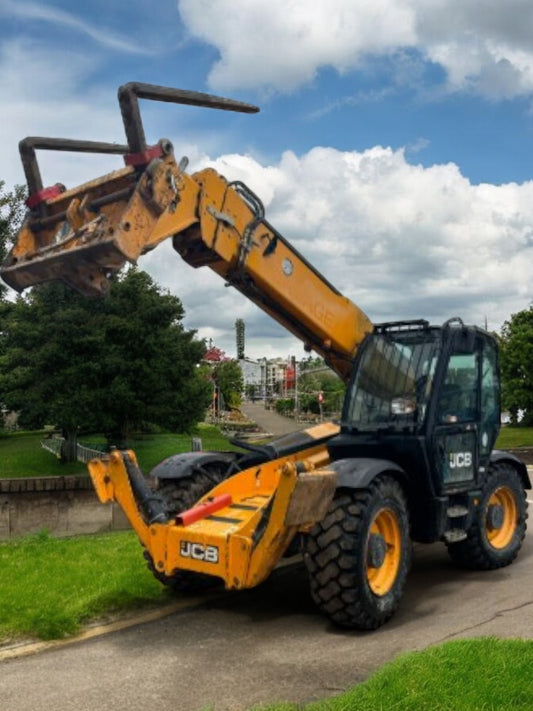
point(83, 235)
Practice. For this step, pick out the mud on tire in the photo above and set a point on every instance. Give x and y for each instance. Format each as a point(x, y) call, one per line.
point(358, 557)
point(499, 524)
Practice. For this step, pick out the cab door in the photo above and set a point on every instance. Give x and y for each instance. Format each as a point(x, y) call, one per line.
point(456, 431)
point(467, 412)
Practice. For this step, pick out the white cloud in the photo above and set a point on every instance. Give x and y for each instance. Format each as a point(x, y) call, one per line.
point(400, 240)
point(281, 44)
point(488, 49)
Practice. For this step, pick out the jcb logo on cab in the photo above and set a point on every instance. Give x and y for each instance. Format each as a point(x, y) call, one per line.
point(460, 460)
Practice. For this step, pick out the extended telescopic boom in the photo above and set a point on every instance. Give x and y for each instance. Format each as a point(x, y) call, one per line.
point(85, 234)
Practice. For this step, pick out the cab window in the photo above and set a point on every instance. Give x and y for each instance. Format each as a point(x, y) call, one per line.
point(490, 400)
point(458, 401)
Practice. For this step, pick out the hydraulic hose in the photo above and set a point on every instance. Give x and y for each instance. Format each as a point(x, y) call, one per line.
point(151, 504)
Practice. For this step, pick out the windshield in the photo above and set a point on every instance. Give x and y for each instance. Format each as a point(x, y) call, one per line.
point(393, 380)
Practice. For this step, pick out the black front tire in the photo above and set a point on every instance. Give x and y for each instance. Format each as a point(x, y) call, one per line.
point(499, 526)
point(358, 557)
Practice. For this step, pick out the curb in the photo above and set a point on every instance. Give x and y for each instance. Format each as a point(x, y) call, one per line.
point(27, 648)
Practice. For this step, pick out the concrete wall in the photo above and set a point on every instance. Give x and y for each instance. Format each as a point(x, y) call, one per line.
point(63, 505)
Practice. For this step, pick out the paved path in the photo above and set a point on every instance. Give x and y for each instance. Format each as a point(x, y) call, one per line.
point(269, 420)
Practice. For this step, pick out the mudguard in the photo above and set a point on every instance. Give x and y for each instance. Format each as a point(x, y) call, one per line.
point(499, 455)
point(358, 473)
point(180, 466)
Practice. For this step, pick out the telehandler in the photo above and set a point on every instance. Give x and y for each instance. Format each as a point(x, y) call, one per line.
point(412, 458)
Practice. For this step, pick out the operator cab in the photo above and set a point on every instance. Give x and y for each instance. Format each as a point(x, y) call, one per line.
point(425, 397)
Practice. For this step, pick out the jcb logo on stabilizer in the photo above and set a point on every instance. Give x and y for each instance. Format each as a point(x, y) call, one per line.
point(460, 460)
point(198, 551)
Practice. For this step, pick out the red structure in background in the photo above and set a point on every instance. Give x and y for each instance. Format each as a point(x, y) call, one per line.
point(215, 355)
point(290, 376)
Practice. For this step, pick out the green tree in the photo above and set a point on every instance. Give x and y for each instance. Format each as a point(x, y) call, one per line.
point(516, 356)
point(311, 362)
point(321, 380)
point(12, 210)
point(239, 334)
point(116, 364)
point(229, 380)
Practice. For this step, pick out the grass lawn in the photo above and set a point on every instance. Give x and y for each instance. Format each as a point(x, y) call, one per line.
point(51, 586)
point(21, 454)
point(151, 449)
point(513, 437)
point(468, 675)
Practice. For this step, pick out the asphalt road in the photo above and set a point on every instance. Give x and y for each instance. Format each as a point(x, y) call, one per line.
point(267, 644)
point(269, 420)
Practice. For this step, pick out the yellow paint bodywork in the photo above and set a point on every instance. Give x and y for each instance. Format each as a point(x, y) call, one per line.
point(242, 542)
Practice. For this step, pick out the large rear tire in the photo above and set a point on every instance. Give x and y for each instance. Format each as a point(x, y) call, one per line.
point(499, 524)
point(180, 495)
point(358, 557)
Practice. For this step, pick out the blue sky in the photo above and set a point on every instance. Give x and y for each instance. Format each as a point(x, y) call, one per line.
point(393, 144)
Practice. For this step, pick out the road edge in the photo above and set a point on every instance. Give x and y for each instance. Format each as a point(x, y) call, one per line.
point(25, 648)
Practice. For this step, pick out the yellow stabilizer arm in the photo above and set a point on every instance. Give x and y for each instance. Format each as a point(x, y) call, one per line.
point(242, 542)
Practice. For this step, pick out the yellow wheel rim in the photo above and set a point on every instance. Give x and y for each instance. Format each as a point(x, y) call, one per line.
point(385, 534)
point(499, 536)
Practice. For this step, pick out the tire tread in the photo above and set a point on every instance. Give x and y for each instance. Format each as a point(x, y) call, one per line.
point(331, 557)
point(474, 552)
